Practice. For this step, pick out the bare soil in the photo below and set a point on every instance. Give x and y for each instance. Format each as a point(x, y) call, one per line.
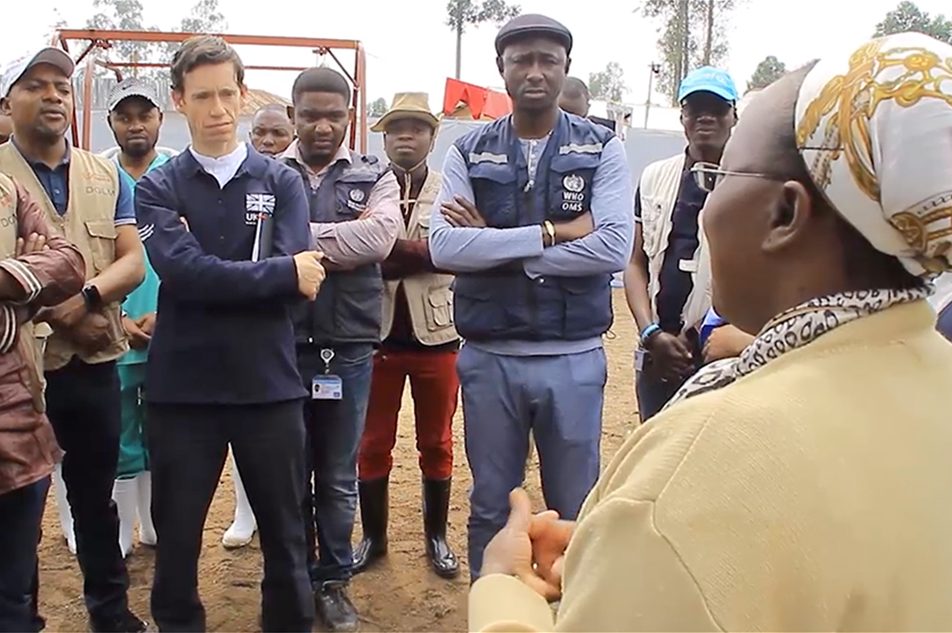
point(399, 594)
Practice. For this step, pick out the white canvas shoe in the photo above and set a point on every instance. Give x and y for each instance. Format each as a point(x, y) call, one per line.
point(242, 530)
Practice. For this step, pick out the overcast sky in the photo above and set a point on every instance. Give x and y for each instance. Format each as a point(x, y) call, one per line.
point(410, 48)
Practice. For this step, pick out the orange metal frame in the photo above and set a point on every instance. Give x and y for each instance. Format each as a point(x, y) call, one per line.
point(103, 39)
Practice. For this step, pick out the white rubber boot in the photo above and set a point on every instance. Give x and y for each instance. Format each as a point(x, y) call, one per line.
point(62, 506)
point(242, 530)
point(125, 492)
point(146, 528)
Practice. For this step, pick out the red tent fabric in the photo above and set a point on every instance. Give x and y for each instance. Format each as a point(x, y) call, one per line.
point(482, 102)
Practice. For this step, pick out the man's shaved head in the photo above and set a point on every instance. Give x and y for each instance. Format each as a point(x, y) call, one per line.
point(271, 129)
point(575, 97)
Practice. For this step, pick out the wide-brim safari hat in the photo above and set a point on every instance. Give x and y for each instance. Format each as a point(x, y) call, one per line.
point(408, 105)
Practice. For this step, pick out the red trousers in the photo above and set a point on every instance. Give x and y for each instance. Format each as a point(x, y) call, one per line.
point(434, 386)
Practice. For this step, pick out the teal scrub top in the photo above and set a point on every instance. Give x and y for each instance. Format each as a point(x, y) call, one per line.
point(144, 299)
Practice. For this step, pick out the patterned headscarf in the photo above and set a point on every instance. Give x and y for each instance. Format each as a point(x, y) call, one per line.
point(875, 131)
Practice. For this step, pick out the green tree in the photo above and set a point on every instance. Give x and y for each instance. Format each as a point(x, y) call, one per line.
point(205, 17)
point(909, 17)
point(608, 84)
point(378, 107)
point(126, 15)
point(694, 35)
point(712, 15)
point(460, 13)
point(768, 71)
point(676, 43)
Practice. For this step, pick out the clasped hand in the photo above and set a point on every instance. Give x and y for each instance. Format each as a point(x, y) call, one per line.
point(310, 273)
point(530, 547)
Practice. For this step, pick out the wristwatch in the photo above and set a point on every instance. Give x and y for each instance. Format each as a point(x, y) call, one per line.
point(92, 297)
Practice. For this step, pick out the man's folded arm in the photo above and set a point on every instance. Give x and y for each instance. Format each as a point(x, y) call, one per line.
point(190, 274)
point(470, 249)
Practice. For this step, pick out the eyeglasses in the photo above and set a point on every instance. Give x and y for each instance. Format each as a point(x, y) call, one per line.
point(707, 175)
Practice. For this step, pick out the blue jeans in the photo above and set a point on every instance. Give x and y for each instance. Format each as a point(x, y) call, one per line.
point(558, 398)
point(653, 393)
point(334, 430)
point(21, 512)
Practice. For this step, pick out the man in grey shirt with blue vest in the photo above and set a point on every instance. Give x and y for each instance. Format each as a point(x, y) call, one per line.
point(533, 217)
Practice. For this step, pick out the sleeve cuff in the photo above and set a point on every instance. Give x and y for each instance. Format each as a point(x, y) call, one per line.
point(287, 271)
point(8, 327)
point(504, 603)
point(24, 276)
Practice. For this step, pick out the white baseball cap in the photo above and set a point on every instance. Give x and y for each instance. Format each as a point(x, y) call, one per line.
point(14, 71)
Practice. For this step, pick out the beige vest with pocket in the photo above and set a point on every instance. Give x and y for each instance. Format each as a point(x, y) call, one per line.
point(89, 223)
point(429, 295)
point(659, 186)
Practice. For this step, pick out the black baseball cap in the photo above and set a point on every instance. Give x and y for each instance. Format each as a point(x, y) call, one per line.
point(533, 24)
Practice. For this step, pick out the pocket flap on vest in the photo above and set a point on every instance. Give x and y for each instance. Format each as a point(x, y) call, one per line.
point(502, 174)
point(105, 229)
point(440, 297)
point(575, 162)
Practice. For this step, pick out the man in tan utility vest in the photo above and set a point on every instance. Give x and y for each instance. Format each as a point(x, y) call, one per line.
point(84, 201)
point(667, 281)
point(37, 269)
point(419, 342)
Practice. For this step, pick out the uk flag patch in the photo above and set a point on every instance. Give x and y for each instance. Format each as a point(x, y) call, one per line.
point(259, 202)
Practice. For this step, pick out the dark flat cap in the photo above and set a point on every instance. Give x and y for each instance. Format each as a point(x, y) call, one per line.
point(533, 24)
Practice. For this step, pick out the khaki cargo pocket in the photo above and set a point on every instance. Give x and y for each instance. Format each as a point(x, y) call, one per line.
point(652, 225)
point(102, 243)
point(439, 309)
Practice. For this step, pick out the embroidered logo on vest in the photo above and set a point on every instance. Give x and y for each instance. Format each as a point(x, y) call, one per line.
point(356, 199)
point(573, 196)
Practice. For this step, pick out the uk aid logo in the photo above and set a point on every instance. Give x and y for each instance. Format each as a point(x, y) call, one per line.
point(257, 204)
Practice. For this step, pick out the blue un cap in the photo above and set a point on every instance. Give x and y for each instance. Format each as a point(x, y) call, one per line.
point(708, 79)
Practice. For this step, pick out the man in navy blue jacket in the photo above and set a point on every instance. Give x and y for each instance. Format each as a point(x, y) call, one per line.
point(222, 366)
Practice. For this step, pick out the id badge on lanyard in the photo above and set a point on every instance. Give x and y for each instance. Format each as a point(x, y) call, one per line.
point(327, 386)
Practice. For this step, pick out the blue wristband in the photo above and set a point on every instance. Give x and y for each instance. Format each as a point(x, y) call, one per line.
point(648, 332)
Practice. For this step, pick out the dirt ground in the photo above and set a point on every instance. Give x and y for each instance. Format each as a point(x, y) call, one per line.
point(399, 594)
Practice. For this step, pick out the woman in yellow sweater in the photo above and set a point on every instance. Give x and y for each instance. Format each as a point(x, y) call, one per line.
point(804, 485)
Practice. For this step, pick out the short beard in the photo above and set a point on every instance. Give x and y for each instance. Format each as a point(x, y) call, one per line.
point(540, 109)
point(137, 151)
point(317, 158)
point(47, 135)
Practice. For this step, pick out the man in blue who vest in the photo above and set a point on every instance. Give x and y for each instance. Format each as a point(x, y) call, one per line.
point(354, 219)
point(534, 217)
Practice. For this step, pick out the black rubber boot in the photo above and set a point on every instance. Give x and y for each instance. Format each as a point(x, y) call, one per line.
point(374, 511)
point(436, 507)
